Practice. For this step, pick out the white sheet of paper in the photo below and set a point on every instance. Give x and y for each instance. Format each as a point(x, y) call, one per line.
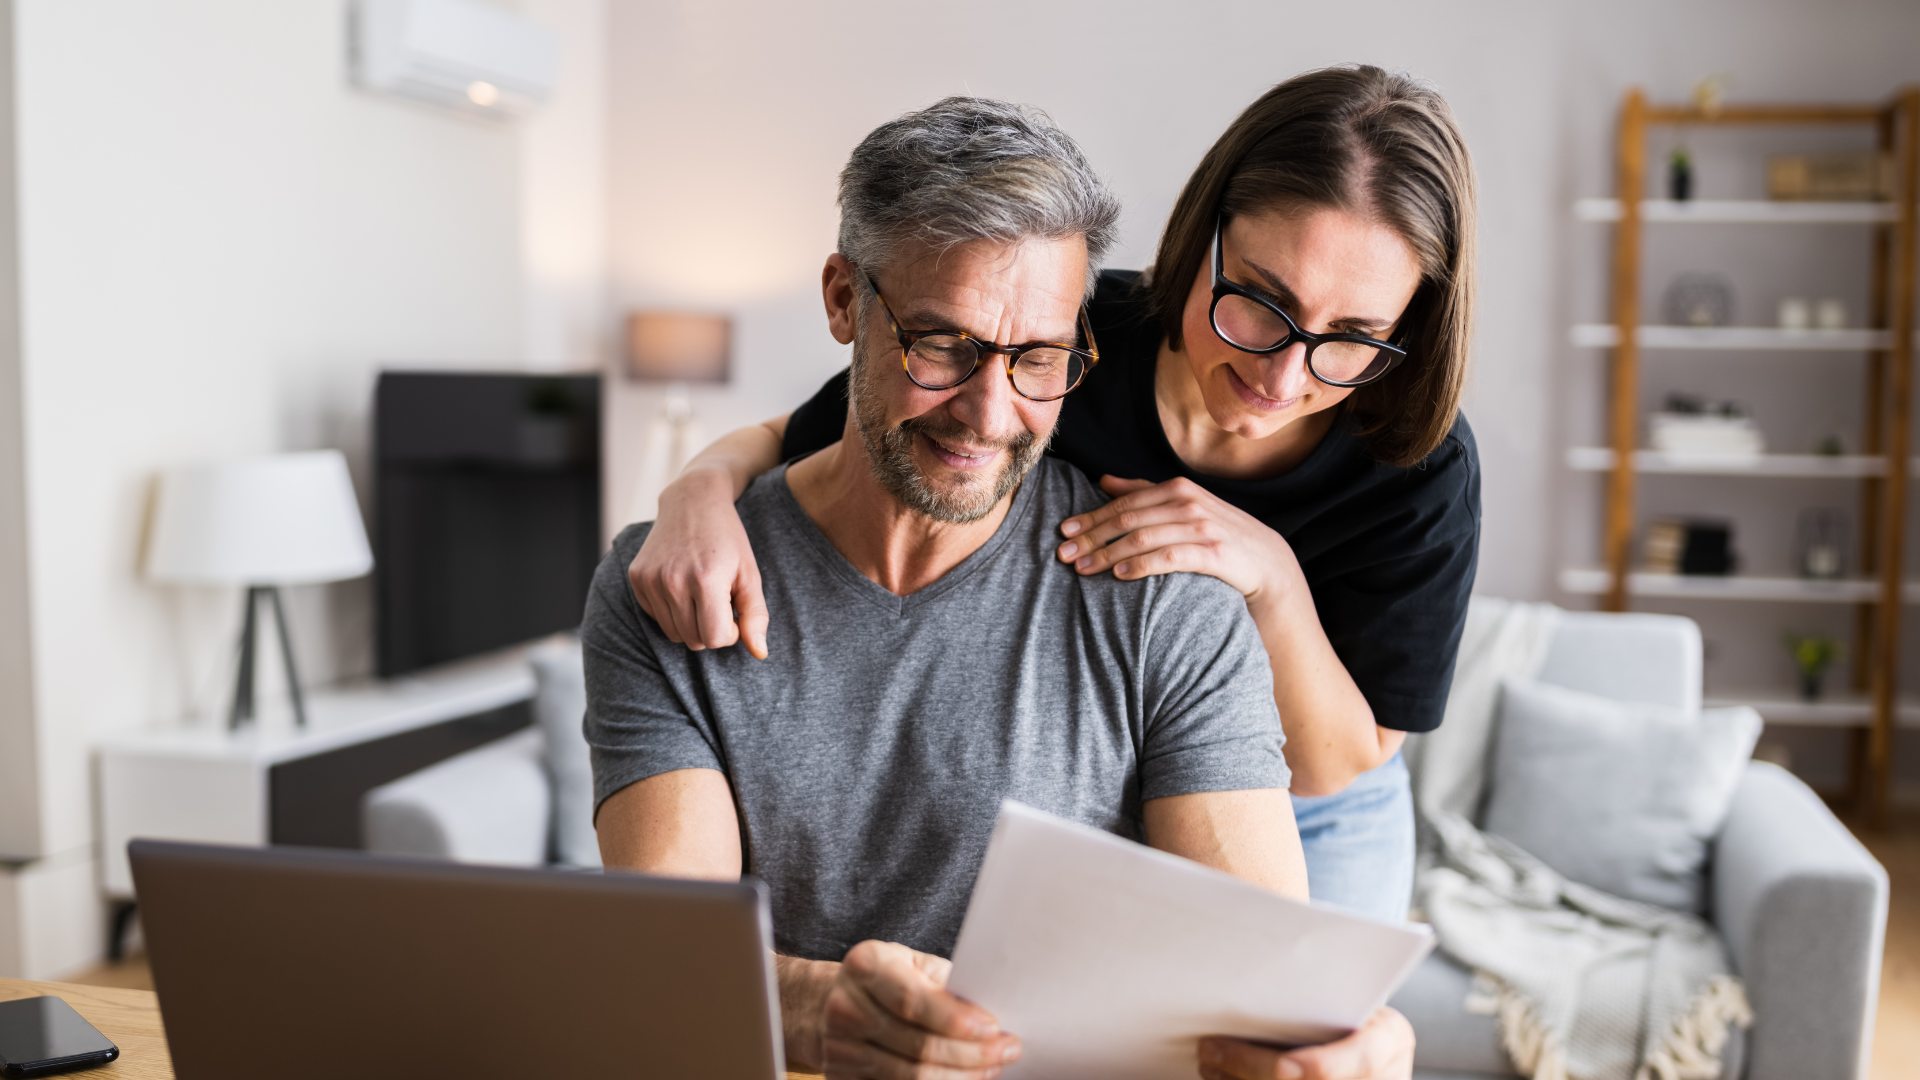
point(1110, 959)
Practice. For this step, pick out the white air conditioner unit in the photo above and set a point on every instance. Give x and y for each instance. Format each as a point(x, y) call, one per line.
point(462, 54)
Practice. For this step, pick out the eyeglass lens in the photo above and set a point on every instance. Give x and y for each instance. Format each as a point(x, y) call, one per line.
point(1253, 326)
point(938, 361)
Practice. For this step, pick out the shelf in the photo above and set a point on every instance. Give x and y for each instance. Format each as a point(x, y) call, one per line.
point(1744, 211)
point(1593, 581)
point(1606, 336)
point(1835, 710)
point(1600, 459)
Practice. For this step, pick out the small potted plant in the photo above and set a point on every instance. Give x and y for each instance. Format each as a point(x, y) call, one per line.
point(1812, 654)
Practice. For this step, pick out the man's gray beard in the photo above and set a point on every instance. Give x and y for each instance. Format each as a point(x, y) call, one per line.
point(890, 453)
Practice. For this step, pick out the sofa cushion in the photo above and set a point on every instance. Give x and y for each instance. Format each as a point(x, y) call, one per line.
point(1621, 796)
point(560, 708)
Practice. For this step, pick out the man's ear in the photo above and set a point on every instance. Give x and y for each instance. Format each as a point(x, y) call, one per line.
point(837, 290)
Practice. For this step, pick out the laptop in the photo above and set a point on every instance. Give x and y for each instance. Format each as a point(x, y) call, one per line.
point(295, 963)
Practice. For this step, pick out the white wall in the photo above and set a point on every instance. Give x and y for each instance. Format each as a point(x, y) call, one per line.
point(221, 242)
point(563, 196)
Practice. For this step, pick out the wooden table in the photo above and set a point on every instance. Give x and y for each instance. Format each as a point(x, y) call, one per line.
point(131, 1018)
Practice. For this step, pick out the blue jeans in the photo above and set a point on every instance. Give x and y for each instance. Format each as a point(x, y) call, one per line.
point(1359, 843)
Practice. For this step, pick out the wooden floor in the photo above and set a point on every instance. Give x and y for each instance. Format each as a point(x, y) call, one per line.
point(1896, 1035)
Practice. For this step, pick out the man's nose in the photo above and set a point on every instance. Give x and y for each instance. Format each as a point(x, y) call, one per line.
point(987, 402)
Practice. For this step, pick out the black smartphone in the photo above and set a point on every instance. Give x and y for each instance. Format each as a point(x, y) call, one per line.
point(41, 1036)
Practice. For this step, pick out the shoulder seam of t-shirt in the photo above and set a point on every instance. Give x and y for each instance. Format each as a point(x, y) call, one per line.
point(782, 498)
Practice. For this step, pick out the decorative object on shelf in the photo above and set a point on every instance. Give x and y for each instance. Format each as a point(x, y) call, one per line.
point(1830, 314)
point(1795, 314)
point(1831, 446)
point(1690, 427)
point(1710, 94)
point(677, 348)
point(1698, 547)
point(287, 519)
point(1698, 299)
point(1812, 655)
point(1831, 177)
point(1820, 544)
point(1680, 174)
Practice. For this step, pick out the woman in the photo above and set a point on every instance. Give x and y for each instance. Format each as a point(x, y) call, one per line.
point(1276, 404)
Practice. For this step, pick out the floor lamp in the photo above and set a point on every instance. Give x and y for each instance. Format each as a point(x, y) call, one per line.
point(286, 519)
point(678, 348)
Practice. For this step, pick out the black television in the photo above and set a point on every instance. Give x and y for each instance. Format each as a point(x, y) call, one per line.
point(486, 511)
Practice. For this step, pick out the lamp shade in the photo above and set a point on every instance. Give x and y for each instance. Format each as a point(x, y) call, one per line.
point(286, 519)
point(673, 346)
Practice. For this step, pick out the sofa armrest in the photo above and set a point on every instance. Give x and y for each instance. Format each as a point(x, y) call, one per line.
point(492, 804)
point(1802, 907)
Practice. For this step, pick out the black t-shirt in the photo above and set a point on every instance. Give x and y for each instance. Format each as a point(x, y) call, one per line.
point(1389, 553)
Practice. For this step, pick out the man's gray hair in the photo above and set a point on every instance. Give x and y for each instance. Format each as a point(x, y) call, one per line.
point(968, 168)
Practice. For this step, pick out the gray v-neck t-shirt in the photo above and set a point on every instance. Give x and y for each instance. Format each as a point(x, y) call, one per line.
point(869, 753)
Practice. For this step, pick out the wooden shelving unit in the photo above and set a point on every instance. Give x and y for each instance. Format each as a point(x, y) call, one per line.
point(1743, 338)
point(1888, 346)
point(1814, 466)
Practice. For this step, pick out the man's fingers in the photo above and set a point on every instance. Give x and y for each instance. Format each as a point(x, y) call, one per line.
point(890, 1015)
point(856, 1020)
point(886, 971)
point(1381, 1050)
point(1243, 1061)
point(918, 1044)
point(851, 1059)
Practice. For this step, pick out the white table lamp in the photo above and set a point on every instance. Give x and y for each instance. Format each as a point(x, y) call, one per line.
point(287, 519)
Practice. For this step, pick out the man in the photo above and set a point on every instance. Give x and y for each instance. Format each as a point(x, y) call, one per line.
point(928, 655)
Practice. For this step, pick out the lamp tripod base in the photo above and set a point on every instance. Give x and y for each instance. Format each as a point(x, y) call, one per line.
point(249, 638)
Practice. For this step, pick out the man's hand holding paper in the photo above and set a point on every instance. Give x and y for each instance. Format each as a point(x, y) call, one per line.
point(1110, 959)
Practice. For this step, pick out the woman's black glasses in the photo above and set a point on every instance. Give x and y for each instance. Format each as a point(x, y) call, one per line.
point(1252, 323)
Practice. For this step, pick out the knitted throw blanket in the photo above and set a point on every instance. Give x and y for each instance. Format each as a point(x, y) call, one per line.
point(1587, 986)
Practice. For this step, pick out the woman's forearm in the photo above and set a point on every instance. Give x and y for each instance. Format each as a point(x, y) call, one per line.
point(1331, 734)
point(735, 458)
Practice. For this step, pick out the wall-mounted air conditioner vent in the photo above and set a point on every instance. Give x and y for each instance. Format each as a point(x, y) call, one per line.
point(459, 53)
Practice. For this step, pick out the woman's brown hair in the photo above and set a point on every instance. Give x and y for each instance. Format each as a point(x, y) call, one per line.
point(1374, 144)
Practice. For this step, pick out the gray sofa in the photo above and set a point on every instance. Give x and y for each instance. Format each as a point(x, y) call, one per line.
point(1800, 904)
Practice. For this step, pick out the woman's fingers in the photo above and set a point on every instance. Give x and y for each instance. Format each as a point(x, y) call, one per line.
point(1155, 530)
point(1119, 522)
point(1136, 494)
point(1118, 486)
point(713, 609)
point(750, 609)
